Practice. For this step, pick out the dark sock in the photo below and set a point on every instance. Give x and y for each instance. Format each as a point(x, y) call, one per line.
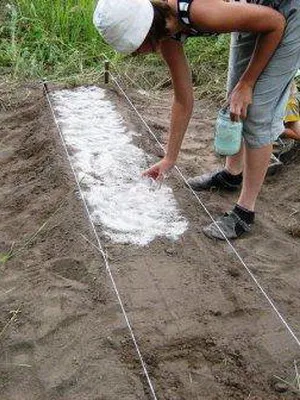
point(246, 215)
point(230, 178)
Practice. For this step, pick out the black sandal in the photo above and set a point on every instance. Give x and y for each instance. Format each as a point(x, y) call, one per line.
point(229, 226)
point(216, 180)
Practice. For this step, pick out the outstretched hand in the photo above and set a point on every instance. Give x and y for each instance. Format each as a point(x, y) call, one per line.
point(159, 170)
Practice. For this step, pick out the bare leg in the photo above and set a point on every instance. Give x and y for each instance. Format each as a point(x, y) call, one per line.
point(234, 164)
point(255, 168)
point(292, 130)
point(239, 221)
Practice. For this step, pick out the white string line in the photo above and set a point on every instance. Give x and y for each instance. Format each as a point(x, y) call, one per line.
point(270, 301)
point(100, 249)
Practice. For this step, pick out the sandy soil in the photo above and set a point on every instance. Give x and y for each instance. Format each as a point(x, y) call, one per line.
point(204, 329)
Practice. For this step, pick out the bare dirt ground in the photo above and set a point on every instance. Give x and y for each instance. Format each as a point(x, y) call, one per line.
point(204, 329)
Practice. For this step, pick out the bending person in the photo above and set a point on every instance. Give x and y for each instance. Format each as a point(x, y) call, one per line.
point(265, 54)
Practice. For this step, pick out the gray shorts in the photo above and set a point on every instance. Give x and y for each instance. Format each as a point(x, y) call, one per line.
point(264, 121)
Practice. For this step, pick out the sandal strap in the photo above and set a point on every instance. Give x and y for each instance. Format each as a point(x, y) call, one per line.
point(224, 183)
point(246, 227)
point(215, 179)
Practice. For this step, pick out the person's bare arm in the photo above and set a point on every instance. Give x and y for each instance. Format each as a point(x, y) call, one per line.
point(220, 16)
point(173, 54)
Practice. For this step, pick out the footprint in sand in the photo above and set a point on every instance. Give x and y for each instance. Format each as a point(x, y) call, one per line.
point(70, 268)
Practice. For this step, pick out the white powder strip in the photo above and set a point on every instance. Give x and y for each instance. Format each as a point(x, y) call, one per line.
point(109, 167)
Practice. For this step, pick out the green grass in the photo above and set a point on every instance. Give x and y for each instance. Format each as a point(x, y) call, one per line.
point(56, 40)
point(294, 383)
point(49, 39)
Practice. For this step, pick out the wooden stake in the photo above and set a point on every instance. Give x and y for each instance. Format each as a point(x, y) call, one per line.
point(106, 72)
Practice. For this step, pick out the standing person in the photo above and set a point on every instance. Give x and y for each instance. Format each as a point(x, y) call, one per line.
point(265, 53)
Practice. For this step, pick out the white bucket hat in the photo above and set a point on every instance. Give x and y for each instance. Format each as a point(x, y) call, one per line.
point(124, 24)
